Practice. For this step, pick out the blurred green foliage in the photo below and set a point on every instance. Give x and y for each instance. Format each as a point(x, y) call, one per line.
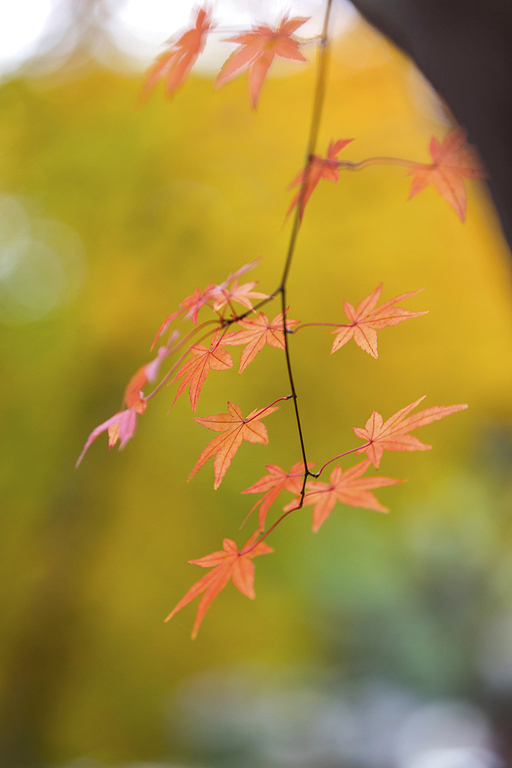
point(170, 197)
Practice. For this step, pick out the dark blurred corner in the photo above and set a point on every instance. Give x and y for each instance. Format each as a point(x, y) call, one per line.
point(464, 48)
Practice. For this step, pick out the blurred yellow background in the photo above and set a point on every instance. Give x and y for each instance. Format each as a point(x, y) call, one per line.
point(109, 216)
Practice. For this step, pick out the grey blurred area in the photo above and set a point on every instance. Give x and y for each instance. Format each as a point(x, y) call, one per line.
point(75, 32)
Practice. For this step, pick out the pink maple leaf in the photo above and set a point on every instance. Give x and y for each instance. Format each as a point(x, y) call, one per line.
point(257, 50)
point(122, 425)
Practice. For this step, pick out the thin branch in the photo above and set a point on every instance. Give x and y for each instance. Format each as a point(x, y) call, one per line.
point(345, 165)
point(266, 533)
point(345, 453)
point(279, 400)
point(311, 146)
point(313, 137)
point(333, 325)
point(181, 344)
point(302, 495)
point(227, 321)
point(178, 361)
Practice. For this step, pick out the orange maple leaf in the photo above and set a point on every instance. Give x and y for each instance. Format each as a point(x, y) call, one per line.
point(227, 564)
point(195, 371)
point(133, 395)
point(241, 294)
point(175, 64)
point(366, 319)
point(166, 323)
point(258, 332)
point(391, 435)
point(272, 484)
point(258, 47)
point(453, 161)
point(319, 168)
point(348, 488)
point(235, 430)
point(219, 295)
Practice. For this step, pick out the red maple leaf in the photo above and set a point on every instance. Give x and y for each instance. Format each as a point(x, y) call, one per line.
point(272, 484)
point(391, 435)
point(227, 564)
point(195, 371)
point(454, 161)
point(366, 319)
point(257, 50)
point(235, 430)
point(319, 168)
point(175, 64)
point(346, 487)
point(256, 333)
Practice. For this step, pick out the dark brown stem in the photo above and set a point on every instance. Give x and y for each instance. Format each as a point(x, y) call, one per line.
point(227, 321)
point(311, 146)
point(312, 140)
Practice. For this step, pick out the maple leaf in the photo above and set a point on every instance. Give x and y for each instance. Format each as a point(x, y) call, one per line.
point(175, 64)
point(319, 168)
point(272, 484)
point(196, 300)
point(257, 50)
point(219, 295)
point(235, 429)
point(366, 319)
point(122, 425)
point(347, 487)
point(239, 272)
point(166, 323)
point(391, 435)
point(133, 395)
point(195, 371)
point(241, 294)
point(453, 161)
point(256, 333)
point(227, 564)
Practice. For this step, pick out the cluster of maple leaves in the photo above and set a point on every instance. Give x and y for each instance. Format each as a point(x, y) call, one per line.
point(352, 486)
point(452, 159)
point(251, 329)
